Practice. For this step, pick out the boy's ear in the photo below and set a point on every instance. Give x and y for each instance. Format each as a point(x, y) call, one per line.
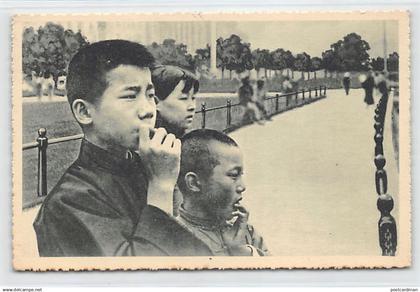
point(82, 111)
point(192, 182)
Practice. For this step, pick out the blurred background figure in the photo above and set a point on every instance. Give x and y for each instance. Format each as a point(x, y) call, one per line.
point(346, 82)
point(368, 84)
point(61, 81)
point(287, 85)
point(246, 99)
point(381, 83)
point(260, 96)
point(48, 84)
point(37, 82)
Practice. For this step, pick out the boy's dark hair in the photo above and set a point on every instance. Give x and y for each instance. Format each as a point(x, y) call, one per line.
point(86, 77)
point(165, 78)
point(196, 155)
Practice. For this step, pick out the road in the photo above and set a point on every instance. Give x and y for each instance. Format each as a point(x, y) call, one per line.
point(310, 179)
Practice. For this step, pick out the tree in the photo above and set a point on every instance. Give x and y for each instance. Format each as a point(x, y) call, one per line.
point(279, 61)
point(316, 64)
point(49, 49)
point(220, 55)
point(233, 54)
point(393, 62)
point(245, 58)
point(172, 53)
point(377, 64)
point(290, 61)
point(352, 51)
point(261, 59)
point(331, 61)
point(303, 63)
point(236, 55)
point(202, 60)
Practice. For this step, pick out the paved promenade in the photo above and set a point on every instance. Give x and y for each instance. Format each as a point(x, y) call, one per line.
point(310, 177)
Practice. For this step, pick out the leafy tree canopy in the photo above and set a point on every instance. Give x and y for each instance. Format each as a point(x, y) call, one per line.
point(172, 53)
point(49, 49)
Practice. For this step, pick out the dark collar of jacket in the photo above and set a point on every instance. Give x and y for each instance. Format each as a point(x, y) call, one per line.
point(119, 163)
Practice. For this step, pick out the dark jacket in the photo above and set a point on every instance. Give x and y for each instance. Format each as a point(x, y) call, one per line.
point(245, 93)
point(217, 237)
point(99, 208)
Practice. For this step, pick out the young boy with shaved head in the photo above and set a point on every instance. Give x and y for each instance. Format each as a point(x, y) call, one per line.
point(212, 185)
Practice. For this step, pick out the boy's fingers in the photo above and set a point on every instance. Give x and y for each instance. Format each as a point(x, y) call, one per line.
point(169, 141)
point(158, 137)
point(177, 146)
point(144, 137)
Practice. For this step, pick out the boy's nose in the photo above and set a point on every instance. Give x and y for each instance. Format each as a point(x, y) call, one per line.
point(146, 108)
point(241, 187)
point(191, 107)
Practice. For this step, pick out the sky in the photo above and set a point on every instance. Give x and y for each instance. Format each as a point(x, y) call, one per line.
point(312, 37)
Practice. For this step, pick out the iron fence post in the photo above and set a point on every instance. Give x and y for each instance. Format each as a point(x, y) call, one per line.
point(42, 141)
point(203, 115)
point(325, 90)
point(316, 92)
point(303, 94)
point(228, 113)
point(277, 103)
point(310, 93)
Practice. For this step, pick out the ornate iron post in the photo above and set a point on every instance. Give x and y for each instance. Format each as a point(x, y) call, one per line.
point(228, 113)
point(385, 203)
point(203, 115)
point(42, 141)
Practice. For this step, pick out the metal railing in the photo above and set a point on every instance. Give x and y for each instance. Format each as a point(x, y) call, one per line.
point(291, 101)
point(387, 226)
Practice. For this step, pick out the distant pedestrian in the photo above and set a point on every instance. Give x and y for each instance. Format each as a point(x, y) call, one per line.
point(246, 94)
point(287, 88)
point(37, 81)
point(368, 84)
point(381, 83)
point(260, 97)
point(287, 85)
point(346, 82)
point(48, 84)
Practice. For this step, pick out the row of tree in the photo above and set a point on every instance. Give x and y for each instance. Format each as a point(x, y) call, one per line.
point(235, 55)
point(50, 48)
